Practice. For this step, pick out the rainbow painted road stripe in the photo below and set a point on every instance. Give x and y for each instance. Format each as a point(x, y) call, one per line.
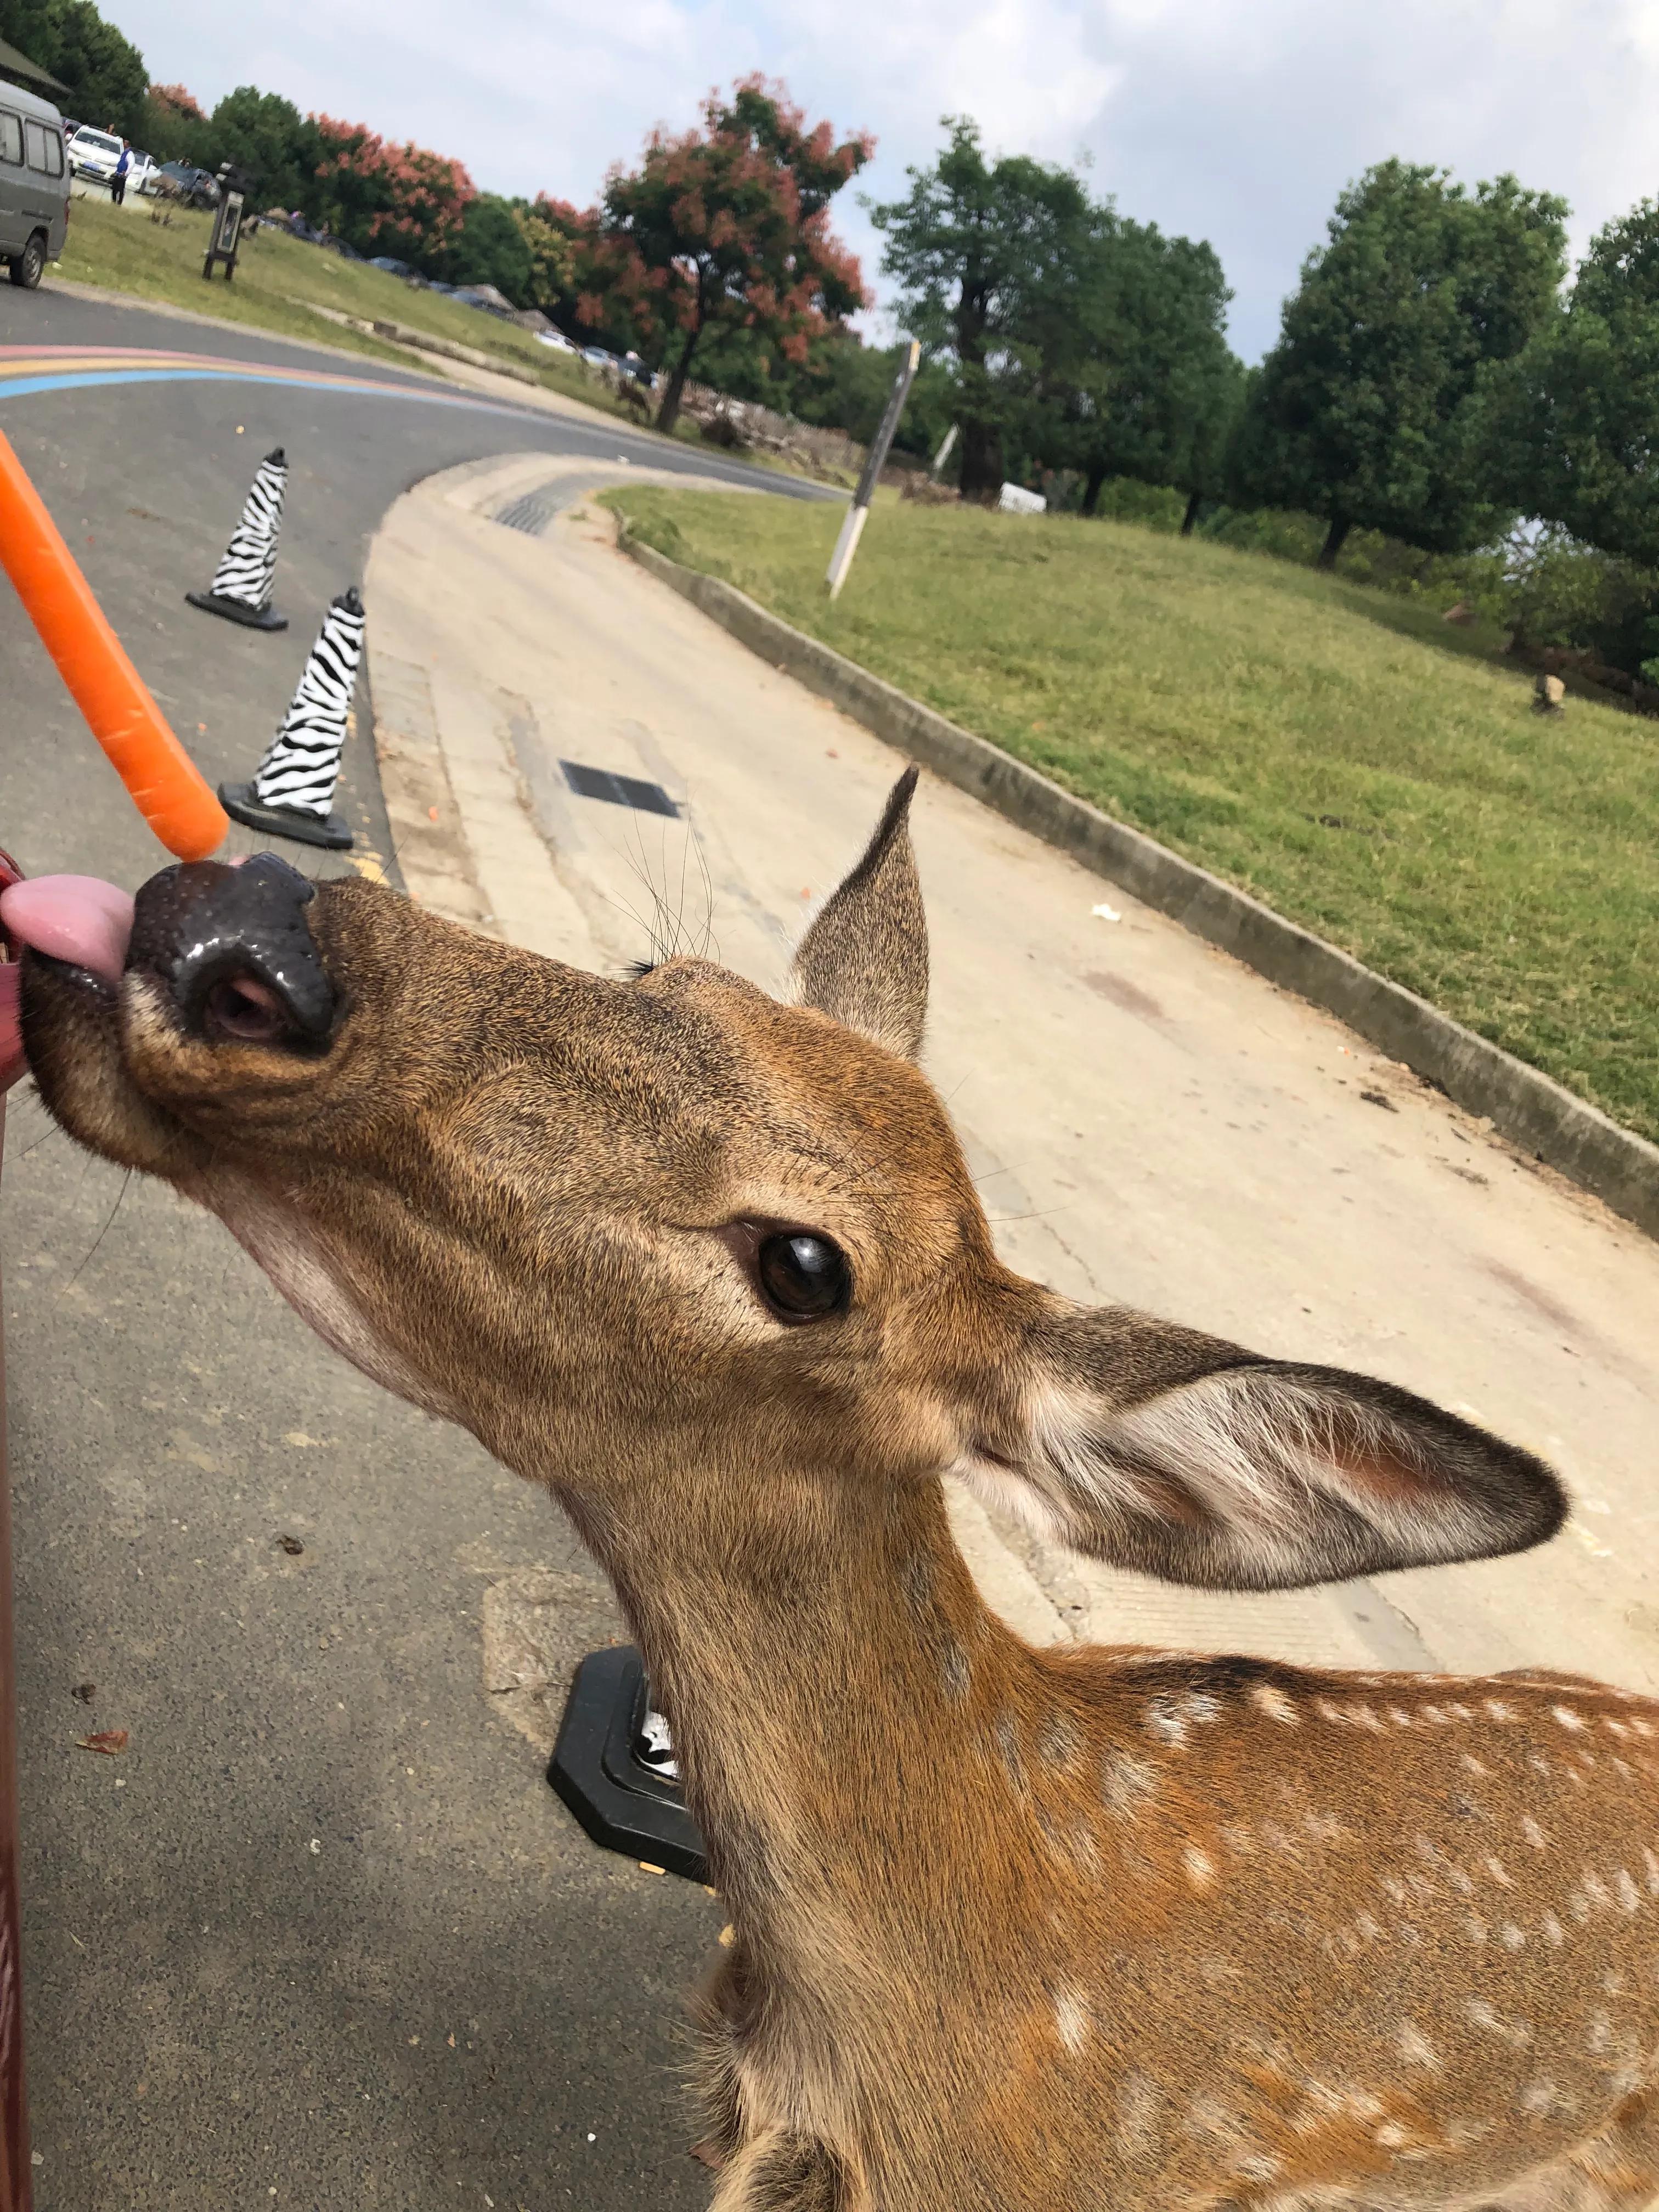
point(25, 369)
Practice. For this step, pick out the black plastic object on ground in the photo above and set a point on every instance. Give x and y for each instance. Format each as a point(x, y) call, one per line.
point(332, 830)
point(596, 1768)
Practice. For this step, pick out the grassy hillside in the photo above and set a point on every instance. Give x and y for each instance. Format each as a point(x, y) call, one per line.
point(278, 278)
point(1335, 751)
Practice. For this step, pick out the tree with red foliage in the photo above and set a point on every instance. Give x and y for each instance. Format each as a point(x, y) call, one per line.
point(384, 198)
point(728, 224)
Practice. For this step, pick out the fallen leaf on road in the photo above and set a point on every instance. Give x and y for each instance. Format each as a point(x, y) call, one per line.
point(108, 1741)
point(86, 1692)
point(291, 1544)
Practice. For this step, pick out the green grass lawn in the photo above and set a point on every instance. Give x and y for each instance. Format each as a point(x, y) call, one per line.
point(1336, 750)
point(277, 280)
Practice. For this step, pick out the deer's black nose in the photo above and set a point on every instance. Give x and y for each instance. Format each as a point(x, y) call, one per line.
point(231, 946)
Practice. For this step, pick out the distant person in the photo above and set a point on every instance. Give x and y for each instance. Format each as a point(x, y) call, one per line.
point(117, 183)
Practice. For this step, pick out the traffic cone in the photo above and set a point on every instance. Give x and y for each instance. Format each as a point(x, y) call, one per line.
point(292, 788)
point(240, 590)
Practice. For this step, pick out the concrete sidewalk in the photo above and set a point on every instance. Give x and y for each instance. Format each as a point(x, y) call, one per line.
point(1149, 1122)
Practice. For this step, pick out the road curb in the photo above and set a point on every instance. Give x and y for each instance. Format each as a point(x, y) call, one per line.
point(1528, 1107)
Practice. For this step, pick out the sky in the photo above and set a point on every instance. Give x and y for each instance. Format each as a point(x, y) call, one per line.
point(1234, 120)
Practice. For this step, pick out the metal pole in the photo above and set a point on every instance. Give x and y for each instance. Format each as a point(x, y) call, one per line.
point(874, 461)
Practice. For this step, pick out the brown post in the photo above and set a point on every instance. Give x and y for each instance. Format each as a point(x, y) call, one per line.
point(16, 2180)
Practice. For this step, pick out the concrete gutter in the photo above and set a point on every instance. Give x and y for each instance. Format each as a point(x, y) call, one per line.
point(1525, 1105)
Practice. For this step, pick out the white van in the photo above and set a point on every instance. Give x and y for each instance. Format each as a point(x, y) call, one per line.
point(34, 185)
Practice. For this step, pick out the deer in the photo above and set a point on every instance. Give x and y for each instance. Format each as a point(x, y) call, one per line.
point(1016, 1929)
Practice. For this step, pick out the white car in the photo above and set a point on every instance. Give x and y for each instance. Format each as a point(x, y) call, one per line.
point(93, 154)
point(141, 172)
point(556, 339)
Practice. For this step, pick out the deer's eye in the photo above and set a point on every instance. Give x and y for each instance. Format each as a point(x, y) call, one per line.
point(805, 1277)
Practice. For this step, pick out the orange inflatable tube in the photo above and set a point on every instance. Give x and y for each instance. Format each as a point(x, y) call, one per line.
point(166, 785)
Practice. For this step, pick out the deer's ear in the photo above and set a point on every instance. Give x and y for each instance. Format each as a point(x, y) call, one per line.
point(1187, 1458)
point(865, 958)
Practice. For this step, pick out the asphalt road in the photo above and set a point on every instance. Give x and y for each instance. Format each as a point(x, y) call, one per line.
point(322, 1937)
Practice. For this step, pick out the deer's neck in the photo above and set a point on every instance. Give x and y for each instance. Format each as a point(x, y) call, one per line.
point(830, 1674)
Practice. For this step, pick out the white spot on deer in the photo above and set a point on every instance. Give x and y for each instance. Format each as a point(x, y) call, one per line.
point(1401, 1718)
point(1597, 1891)
point(1544, 2100)
point(1363, 1717)
point(1239, 1840)
point(1601, 2033)
point(1059, 1740)
point(1538, 1762)
point(1200, 1868)
point(955, 1672)
point(1126, 1782)
point(1553, 1929)
point(1200, 1705)
point(1579, 1905)
point(1652, 1866)
point(1163, 1723)
point(1568, 1718)
point(1415, 2048)
point(1516, 2033)
point(1499, 1874)
point(1471, 1765)
point(1629, 1896)
point(1477, 1927)
point(1643, 1727)
point(1512, 1938)
point(1327, 1711)
point(1533, 1834)
point(1277, 1706)
point(1460, 1712)
point(1140, 2109)
point(1072, 2019)
point(1433, 1715)
point(1206, 2117)
point(1497, 1710)
point(1614, 1727)
point(1369, 1928)
point(1396, 1887)
point(1623, 1768)
point(1391, 2135)
point(1257, 2166)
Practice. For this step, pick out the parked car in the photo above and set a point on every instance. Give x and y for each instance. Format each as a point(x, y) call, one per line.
point(393, 266)
point(141, 172)
point(596, 357)
point(635, 369)
point(93, 154)
point(556, 340)
point(177, 181)
point(34, 185)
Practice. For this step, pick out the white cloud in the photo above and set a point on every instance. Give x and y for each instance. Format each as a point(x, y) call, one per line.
point(1237, 120)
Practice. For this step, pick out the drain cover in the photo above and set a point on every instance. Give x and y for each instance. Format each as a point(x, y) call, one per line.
point(621, 790)
point(532, 512)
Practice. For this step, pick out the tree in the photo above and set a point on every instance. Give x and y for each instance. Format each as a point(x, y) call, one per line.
point(1367, 411)
point(728, 226)
point(1140, 378)
point(104, 71)
point(266, 136)
point(173, 127)
point(550, 230)
point(986, 254)
point(383, 198)
point(490, 247)
point(1573, 426)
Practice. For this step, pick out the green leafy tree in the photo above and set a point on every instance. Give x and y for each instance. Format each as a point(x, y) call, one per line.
point(1368, 411)
point(491, 248)
point(1573, 427)
point(266, 136)
point(726, 227)
point(551, 231)
point(1139, 377)
point(989, 256)
point(173, 127)
point(104, 72)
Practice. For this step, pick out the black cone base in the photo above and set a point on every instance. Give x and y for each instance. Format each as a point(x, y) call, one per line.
point(211, 603)
point(240, 803)
point(622, 1804)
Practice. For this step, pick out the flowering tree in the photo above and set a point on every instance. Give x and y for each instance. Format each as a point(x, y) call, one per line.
point(727, 225)
point(383, 198)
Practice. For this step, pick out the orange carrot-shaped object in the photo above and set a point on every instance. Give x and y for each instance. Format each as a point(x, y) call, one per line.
point(165, 784)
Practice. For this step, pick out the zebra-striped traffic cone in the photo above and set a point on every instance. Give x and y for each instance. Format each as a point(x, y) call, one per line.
point(292, 788)
point(240, 590)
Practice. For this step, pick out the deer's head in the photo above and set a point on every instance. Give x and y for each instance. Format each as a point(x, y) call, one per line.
point(621, 1228)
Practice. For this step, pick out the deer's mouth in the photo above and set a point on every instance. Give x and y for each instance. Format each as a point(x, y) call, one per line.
point(119, 995)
